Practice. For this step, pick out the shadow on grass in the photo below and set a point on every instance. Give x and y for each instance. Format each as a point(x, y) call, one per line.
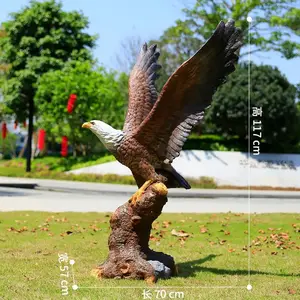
point(190, 268)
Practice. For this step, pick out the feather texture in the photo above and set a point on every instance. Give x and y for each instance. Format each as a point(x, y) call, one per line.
point(142, 91)
point(188, 92)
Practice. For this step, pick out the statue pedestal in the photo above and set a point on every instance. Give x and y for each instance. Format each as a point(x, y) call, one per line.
point(129, 252)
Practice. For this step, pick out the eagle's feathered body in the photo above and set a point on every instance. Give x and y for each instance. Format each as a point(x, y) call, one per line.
point(157, 126)
point(148, 165)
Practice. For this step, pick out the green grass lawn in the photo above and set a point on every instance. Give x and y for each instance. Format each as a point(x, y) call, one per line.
point(214, 255)
point(54, 163)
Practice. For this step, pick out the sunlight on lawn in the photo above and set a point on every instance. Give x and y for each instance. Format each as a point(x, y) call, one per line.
point(214, 254)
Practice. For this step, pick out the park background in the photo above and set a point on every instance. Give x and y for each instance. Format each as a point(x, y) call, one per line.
point(52, 52)
point(77, 50)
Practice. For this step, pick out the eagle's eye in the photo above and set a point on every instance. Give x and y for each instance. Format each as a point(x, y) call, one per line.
point(93, 123)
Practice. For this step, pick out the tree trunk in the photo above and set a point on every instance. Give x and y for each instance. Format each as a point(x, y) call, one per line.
point(3, 147)
point(34, 143)
point(74, 151)
point(30, 131)
point(23, 148)
point(83, 149)
point(129, 252)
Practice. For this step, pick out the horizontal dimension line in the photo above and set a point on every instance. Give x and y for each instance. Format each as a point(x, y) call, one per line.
point(162, 287)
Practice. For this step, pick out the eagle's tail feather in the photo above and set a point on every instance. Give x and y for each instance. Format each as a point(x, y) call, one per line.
point(175, 180)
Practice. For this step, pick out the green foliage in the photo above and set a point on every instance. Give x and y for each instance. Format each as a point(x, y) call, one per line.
point(220, 147)
point(275, 27)
point(8, 145)
point(3, 66)
point(123, 89)
point(100, 95)
point(39, 38)
point(214, 142)
point(228, 114)
point(4, 111)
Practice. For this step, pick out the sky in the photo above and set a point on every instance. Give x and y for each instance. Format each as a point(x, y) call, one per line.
point(116, 20)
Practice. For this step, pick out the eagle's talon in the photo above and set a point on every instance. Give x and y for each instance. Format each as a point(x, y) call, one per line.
point(137, 195)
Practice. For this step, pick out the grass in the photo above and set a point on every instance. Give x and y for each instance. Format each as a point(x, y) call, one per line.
point(215, 254)
point(55, 168)
point(55, 163)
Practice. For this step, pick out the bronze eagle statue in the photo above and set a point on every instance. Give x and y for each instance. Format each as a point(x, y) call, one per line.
point(157, 126)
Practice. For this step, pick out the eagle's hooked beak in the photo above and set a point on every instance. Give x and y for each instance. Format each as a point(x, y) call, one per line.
point(86, 125)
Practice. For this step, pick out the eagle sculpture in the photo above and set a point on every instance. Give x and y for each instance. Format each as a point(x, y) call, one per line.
point(157, 126)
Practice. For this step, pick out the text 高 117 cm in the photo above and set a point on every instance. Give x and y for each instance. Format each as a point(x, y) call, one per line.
point(256, 129)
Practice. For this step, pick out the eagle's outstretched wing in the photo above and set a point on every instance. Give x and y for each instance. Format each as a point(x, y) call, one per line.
point(188, 92)
point(142, 91)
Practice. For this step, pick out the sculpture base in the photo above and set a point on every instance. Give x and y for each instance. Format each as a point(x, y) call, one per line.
point(129, 253)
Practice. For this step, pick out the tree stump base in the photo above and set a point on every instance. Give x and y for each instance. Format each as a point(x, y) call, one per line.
point(129, 252)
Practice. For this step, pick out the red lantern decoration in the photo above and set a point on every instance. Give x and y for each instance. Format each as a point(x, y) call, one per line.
point(71, 103)
point(64, 146)
point(41, 139)
point(16, 124)
point(4, 130)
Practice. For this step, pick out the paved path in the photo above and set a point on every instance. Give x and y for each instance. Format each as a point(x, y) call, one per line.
point(12, 199)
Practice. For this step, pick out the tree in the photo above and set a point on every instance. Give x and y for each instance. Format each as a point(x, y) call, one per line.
point(275, 26)
point(271, 91)
point(3, 66)
point(8, 146)
point(130, 48)
point(100, 95)
point(5, 112)
point(39, 38)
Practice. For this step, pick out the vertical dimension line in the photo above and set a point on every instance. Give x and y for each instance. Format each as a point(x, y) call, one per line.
point(249, 149)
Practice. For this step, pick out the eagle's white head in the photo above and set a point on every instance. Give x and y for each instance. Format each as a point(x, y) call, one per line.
point(110, 137)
